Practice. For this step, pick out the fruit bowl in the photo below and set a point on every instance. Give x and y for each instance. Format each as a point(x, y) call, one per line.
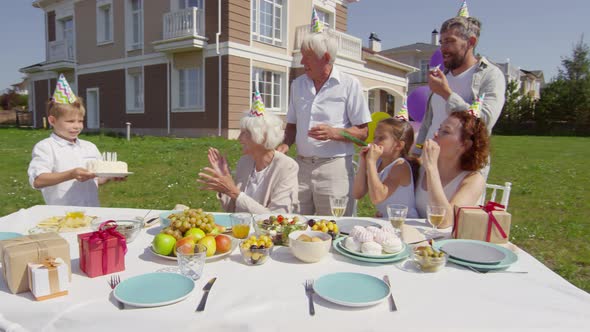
point(164, 220)
point(278, 226)
point(310, 246)
point(428, 259)
point(128, 228)
point(253, 253)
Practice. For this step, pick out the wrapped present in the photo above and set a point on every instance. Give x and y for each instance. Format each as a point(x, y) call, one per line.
point(490, 223)
point(16, 253)
point(102, 252)
point(49, 279)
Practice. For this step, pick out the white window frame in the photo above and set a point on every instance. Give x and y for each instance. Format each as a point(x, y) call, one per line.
point(69, 44)
point(326, 17)
point(281, 39)
point(276, 78)
point(101, 26)
point(129, 27)
point(135, 103)
point(177, 89)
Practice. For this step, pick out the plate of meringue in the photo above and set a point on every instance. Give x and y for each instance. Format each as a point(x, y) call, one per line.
point(372, 244)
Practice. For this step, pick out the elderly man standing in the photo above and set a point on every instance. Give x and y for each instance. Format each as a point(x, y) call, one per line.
point(324, 103)
point(466, 78)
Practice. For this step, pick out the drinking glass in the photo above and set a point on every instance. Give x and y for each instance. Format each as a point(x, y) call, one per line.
point(338, 205)
point(397, 216)
point(436, 215)
point(240, 224)
point(191, 260)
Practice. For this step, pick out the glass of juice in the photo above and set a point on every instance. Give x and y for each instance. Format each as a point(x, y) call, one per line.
point(436, 215)
point(397, 216)
point(338, 205)
point(240, 224)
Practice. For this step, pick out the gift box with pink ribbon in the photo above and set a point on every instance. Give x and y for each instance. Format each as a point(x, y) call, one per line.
point(490, 223)
point(102, 252)
point(49, 279)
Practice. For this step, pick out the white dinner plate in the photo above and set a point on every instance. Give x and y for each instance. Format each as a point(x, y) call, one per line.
point(113, 175)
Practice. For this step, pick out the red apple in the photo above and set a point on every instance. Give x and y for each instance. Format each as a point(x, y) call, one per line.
point(186, 245)
point(223, 243)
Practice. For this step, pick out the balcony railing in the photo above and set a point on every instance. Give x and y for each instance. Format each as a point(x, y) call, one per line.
point(348, 46)
point(60, 50)
point(184, 23)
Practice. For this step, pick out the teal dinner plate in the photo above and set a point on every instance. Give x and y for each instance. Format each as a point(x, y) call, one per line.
point(9, 235)
point(154, 289)
point(383, 255)
point(351, 289)
point(164, 220)
point(509, 256)
point(398, 257)
point(222, 219)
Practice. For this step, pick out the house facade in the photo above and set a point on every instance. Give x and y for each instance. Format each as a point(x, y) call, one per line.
point(189, 67)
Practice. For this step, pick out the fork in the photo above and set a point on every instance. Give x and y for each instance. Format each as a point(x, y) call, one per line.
point(309, 291)
point(115, 280)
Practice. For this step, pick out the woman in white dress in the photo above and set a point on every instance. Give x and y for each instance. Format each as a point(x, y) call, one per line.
point(450, 175)
point(385, 171)
point(265, 180)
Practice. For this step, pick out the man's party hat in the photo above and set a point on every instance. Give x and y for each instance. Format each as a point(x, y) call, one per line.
point(63, 93)
point(463, 11)
point(316, 24)
point(257, 105)
point(475, 108)
point(403, 112)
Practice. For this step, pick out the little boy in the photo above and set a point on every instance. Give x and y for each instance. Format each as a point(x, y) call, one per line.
point(58, 166)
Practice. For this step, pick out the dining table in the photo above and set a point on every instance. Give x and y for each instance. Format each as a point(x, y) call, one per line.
point(272, 296)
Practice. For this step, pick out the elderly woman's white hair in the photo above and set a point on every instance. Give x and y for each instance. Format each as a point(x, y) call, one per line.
point(266, 130)
point(321, 43)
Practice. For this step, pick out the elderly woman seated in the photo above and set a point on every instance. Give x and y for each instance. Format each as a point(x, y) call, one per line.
point(451, 162)
point(265, 179)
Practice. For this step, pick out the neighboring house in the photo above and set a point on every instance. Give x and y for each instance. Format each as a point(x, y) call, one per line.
point(20, 88)
point(417, 55)
point(511, 72)
point(189, 67)
point(532, 82)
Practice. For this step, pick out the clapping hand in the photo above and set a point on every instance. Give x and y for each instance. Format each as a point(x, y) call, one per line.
point(217, 162)
point(430, 153)
point(218, 177)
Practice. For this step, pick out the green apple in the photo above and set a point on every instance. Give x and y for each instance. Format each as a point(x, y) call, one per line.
point(195, 232)
point(163, 244)
point(209, 242)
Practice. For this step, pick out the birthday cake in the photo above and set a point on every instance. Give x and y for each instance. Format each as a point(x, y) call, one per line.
point(99, 166)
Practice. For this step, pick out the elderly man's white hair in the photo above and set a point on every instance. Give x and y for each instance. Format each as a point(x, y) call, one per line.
point(321, 43)
point(266, 130)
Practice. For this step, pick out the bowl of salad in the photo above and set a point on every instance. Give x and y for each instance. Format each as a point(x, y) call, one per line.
point(279, 226)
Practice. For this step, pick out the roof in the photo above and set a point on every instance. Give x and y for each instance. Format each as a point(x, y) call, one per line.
point(377, 57)
point(416, 47)
point(536, 73)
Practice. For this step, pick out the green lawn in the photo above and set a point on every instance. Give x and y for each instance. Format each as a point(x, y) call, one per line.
point(549, 201)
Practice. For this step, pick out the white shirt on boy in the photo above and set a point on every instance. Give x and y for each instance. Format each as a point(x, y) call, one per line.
point(55, 154)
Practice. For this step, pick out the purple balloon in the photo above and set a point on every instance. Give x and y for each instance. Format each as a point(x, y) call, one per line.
point(437, 60)
point(417, 103)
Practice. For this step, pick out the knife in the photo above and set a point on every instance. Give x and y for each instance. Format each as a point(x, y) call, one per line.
point(392, 305)
point(206, 290)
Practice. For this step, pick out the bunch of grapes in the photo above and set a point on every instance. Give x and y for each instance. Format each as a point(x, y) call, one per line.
point(182, 222)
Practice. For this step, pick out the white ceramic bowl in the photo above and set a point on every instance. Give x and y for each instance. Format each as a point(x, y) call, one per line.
point(310, 252)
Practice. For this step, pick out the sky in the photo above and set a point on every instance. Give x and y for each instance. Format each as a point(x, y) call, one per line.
point(533, 34)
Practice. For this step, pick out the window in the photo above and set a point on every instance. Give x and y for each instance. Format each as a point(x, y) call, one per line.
point(190, 3)
point(190, 88)
point(269, 85)
point(424, 67)
point(371, 101)
point(135, 26)
point(67, 27)
point(267, 21)
point(104, 22)
point(325, 17)
point(135, 91)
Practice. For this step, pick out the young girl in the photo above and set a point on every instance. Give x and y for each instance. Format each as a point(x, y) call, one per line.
point(385, 172)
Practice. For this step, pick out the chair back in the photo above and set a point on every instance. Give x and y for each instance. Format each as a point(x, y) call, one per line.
point(492, 189)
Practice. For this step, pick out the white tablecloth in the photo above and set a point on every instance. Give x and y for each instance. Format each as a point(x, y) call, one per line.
point(271, 297)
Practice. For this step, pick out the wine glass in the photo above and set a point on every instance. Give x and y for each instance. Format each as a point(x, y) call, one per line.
point(397, 216)
point(338, 205)
point(436, 215)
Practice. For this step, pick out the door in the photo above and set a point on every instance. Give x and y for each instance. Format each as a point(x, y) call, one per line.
point(92, 108)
